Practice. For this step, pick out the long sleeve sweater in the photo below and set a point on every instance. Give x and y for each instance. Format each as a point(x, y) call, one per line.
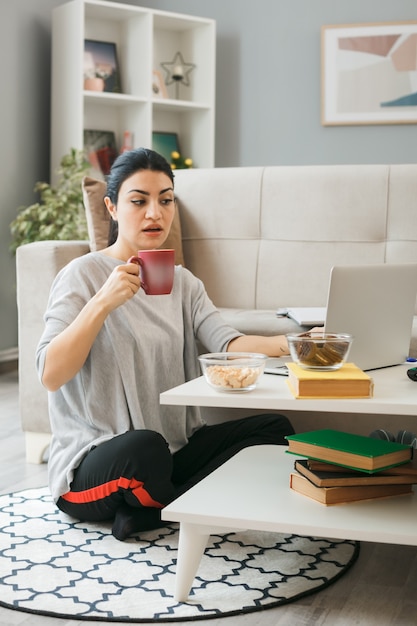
point(144, 347)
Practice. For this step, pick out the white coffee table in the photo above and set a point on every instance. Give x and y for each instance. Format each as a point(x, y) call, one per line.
point(251, 491)
point(394, 394)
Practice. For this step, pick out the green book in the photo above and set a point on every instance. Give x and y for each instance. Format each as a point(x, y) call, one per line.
point(349, 450)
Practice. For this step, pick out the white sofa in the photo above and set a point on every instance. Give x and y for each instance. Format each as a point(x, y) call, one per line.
point(260, 238)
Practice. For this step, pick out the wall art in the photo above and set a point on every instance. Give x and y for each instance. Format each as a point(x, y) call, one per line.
point(165, 143)
point(369, 73)
point(101, 68)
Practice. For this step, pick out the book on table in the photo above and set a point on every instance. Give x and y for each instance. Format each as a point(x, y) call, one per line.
point(308, 315)
point(409, 468)
point(349, 450)
point(344, 494)
point(351, 478)
point(349, 381)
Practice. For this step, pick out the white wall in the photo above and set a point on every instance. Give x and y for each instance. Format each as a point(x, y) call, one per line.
point(264, 116)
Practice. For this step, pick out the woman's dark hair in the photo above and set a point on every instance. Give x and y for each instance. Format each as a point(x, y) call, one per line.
point(127, 164)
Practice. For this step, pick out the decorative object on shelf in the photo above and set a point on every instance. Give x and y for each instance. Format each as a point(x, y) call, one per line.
point(101, 69)
point(178, 72)
point(159, 89)
point(165, 143)
point(100, 148)
point(127, 141)
point(60, 212)
point(179, 162)
point(95, 83)
point(368, 73)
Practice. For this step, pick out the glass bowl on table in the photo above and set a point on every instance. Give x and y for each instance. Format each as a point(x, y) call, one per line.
point(319, 350)
point(232, 371)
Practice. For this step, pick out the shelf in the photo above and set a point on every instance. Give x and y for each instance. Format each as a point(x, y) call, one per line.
point(179, 105)
point(117, 99)
point(144, 38)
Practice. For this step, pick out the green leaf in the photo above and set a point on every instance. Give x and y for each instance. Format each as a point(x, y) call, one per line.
point(60, 213)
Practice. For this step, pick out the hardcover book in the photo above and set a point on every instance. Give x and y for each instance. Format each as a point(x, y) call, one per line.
point(410, 469)
point(347, 382)
point(348, 449)
point(340, 495)
point(351, 478)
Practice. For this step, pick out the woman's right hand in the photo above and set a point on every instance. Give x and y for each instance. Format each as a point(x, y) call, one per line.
point(122, 284)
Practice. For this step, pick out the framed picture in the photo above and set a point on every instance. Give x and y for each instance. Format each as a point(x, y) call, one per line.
point(159, 89)
point(100, 148)
point(165, 144)
point(369, 74)
point(101, 69)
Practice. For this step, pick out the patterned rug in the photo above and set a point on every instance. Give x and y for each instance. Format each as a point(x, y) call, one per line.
point(52, 565)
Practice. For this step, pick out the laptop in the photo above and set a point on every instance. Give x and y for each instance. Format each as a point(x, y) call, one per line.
point(375, 304)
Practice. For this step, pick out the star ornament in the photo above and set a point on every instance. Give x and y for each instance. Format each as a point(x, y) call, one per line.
point(177, 70)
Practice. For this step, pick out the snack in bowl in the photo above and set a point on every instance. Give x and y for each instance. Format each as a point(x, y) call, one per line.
point(232, 371)
point(319, 350)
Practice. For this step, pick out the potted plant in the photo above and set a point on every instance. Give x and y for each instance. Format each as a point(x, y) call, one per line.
point(178, 162)
point(95, 79)
point(60, 212)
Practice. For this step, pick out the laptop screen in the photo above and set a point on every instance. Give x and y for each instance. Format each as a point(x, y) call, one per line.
point(376, 304)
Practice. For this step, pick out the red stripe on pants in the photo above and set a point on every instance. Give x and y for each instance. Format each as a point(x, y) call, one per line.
point(107, 489)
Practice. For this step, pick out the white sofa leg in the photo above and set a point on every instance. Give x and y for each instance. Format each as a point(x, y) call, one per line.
point(36, 445)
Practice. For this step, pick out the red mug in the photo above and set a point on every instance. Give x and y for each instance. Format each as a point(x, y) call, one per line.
point(156, 270)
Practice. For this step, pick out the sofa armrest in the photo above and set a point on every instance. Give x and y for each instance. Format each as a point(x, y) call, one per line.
point(37, 264)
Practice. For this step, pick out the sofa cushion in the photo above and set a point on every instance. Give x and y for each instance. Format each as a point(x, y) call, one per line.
point(98, 219)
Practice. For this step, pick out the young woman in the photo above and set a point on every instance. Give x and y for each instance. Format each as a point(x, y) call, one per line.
point(108, 350)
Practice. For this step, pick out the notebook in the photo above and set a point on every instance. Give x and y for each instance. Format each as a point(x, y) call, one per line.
point(307, 315)
point(375, 304)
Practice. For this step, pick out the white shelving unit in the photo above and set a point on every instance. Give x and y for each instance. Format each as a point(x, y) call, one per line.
point(144, 39)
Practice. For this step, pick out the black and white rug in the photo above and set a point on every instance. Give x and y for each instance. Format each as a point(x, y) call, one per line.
point(53, 565)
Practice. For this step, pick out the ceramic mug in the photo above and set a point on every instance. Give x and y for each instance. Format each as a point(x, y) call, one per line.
point(156, 270)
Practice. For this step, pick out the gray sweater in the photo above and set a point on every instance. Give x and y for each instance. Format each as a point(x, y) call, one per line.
point(145, 346)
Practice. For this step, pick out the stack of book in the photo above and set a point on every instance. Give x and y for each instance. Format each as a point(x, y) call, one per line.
point(343, 467)
point(349, 381)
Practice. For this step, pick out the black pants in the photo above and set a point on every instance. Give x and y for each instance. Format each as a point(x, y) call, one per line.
point(137, 468)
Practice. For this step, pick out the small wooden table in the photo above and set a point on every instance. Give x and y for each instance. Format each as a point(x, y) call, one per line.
point(251, 491)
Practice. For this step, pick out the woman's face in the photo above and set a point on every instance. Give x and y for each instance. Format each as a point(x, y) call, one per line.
point(144, 211)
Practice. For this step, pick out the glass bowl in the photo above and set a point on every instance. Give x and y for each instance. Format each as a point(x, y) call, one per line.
point(232, 371)
point(319, 350)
